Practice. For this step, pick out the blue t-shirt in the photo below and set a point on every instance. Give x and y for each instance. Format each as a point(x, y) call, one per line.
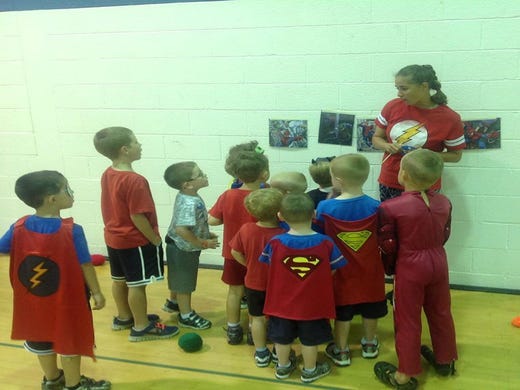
point(42, 225)
point(353, 209)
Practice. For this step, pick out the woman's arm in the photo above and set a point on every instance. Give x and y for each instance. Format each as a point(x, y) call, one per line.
point(379, 142)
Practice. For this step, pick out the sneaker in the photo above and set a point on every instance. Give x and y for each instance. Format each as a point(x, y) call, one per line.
point(243, 303)
point(154, 331)
point(56, 384)
point(320, 371)
point(235, 334)
point(340, 358)
point(92, 384)
point(118, 324)
point(369, 350)
point(441, 369)
point(274, 356)
point(249, 338)
point(285, 372)
point(262, 359)
point(194, 321)
point(170, 306)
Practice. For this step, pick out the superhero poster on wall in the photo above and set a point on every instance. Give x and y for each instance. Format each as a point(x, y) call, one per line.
point(365, 130)
point(288, 133)
point(482, 133)
point(336, 128)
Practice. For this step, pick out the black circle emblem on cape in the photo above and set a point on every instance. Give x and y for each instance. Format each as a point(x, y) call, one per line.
point(40, 275)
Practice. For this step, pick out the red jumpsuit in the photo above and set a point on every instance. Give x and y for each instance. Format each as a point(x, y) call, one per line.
point(414, 234)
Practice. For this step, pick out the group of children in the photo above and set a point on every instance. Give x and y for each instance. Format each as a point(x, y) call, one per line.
point(300, 259)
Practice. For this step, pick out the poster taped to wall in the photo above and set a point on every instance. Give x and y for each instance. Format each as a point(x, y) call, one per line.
point(336, 128)
point(288, 133)
point(482, 133)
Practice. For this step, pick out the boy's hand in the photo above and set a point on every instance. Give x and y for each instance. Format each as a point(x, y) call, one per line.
point(157, 241)
point(99, 301)
point(210, 243)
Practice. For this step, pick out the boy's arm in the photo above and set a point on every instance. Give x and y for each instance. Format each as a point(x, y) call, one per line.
point(89, 273)
point(185, 233)
point(238, 257)
point(143, 225)
point(212, 221)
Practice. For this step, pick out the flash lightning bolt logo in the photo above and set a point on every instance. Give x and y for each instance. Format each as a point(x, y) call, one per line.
point(408, 134)
point(39, 271)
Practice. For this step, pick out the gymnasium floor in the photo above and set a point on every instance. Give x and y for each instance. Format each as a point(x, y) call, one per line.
point(489, 348)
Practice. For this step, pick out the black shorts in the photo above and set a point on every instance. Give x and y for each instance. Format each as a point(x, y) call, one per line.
point(137, 266)
point(371, 310)
point(255, 302)
point(312, 332)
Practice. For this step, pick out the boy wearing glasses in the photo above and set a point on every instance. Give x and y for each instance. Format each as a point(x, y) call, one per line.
point(188, 234)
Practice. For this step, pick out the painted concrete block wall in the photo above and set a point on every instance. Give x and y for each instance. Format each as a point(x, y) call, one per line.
point(194, 79)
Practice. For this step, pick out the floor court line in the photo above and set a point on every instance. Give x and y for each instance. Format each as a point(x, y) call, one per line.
point(202, 371)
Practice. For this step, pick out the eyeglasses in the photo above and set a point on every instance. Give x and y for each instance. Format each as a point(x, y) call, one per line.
point(69, 191)
point(201, 175)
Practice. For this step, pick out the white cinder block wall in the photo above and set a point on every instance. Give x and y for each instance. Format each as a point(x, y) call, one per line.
point(193, 79)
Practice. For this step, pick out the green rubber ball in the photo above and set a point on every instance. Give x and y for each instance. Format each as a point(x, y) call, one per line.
point(190, 342)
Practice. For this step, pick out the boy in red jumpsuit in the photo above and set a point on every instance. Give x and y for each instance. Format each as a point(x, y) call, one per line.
point(412, 231)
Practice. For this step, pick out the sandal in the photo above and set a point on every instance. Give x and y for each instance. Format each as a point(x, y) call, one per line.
point(385, 373)
point(441, 369)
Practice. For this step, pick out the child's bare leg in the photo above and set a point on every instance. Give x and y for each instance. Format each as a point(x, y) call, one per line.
point(184, 301)
point(258, 330)
point(370, 327)
point(138, 305)
point(71, 369)
point(283, 351)
point(49, 365)
point(120, 295)
point(341, 332)
point(234, 296)
point(309, 354)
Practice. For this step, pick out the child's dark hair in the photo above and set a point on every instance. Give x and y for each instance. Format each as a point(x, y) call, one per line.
point(110, 140)
point(419, 74)
point(264, 204)
point(297, 207)
point(32, 188)
point(251, 146)
point(178, 174)
point(248, 166)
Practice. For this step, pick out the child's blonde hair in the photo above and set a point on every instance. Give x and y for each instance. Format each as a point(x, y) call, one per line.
point(320, 171)
point(289, 182)
point(423, 166)
point(353, 168)
point(110, 140)
point(297, 208)
point(264, 204)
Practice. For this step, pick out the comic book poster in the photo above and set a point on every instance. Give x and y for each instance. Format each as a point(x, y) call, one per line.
point(365, 130)
point(336, 128)
point(482, 133)
point(288, 133)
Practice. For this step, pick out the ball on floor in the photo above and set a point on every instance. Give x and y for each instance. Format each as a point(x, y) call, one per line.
point(98, 259)
point(190, 342)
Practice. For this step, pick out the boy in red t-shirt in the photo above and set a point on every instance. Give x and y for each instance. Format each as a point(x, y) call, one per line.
point(246, 248)
point(252, 169)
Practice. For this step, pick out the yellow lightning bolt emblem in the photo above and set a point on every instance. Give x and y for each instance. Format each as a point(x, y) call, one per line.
point(408, 133)
point(39, 271)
